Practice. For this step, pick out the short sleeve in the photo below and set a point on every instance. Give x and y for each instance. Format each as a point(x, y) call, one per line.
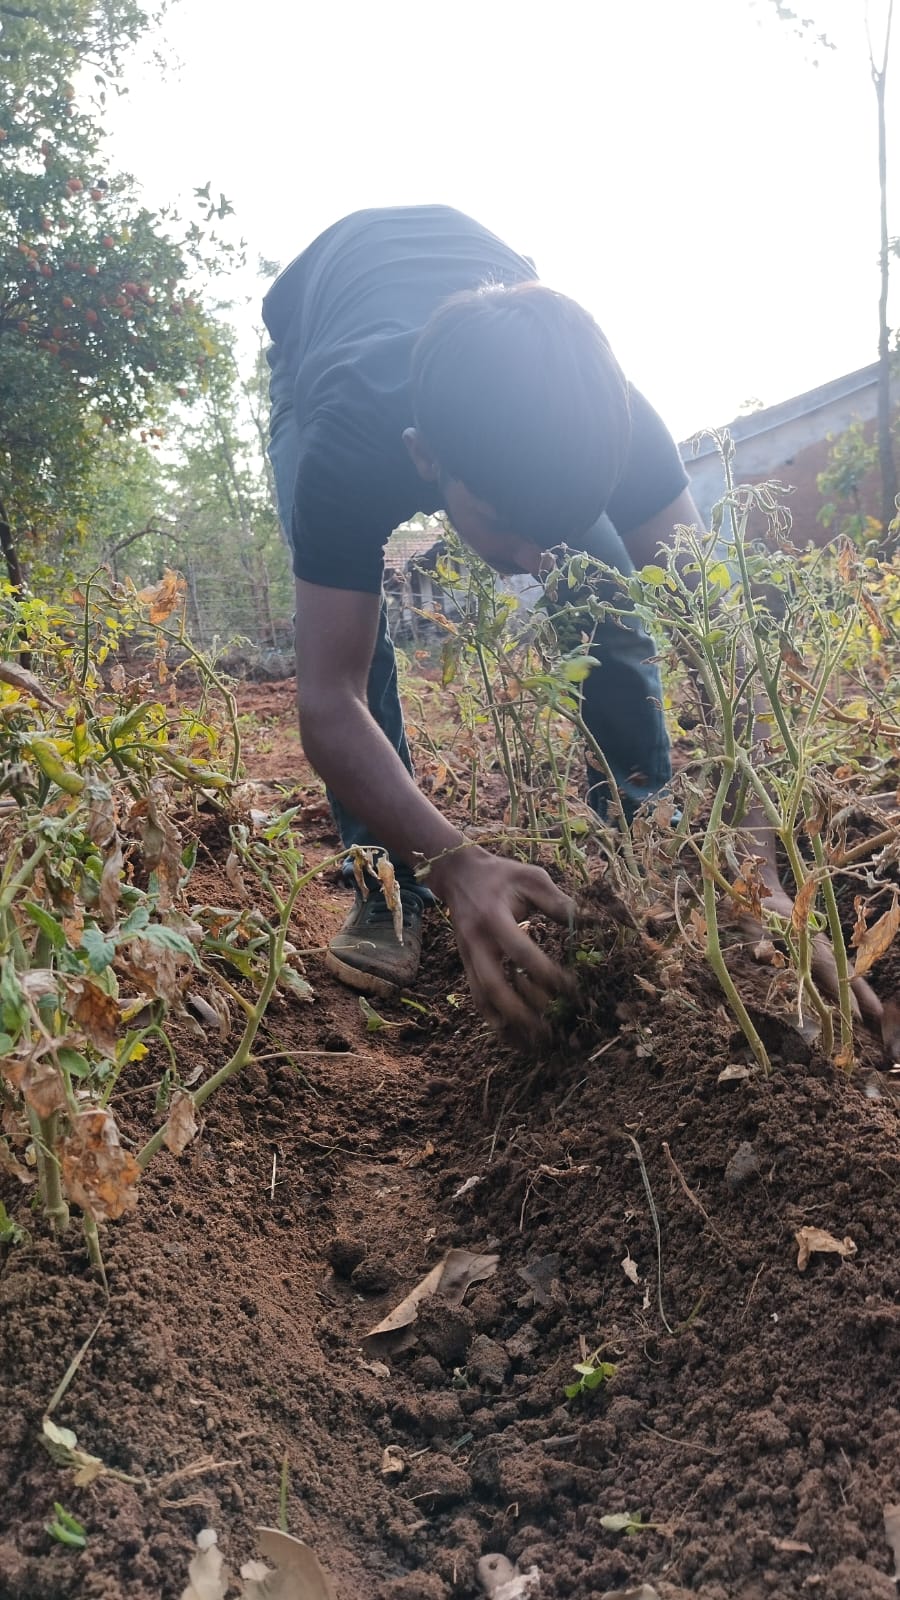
point(653, 475)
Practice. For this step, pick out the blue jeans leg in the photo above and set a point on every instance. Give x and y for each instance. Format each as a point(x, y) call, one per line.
point(622, 704)
point(383, 691)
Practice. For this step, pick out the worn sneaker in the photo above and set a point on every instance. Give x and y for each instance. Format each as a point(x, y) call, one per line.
point(367, 955)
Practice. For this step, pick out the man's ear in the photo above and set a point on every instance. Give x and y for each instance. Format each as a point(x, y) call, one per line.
point(421, 456)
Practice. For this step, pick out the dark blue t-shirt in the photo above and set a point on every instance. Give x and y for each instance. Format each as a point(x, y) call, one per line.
point(343, 319)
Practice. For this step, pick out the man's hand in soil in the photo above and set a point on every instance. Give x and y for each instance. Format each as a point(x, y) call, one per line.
point(511, 979)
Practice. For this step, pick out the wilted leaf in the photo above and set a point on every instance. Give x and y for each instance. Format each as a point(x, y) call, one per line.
point(39, 1081)
point(290, 978)
point(815, 1241)
point(621, 1522)
point(98, 1174)
point(234, 875)
point(19, 678)
point(182, 1124)
point(101, 818)
point(450, 1279)
point(117, 679)
point(803, 905)
point(111, 884)
point(211, 1016)
point(792, 1547)
point(391, 890)
point(164, 597)
point(892, 1534)
point(374, 1022)
point(877, 940)
point(63, 1446)
point(96, 1014)
point(10, 1163)
point(161, 848)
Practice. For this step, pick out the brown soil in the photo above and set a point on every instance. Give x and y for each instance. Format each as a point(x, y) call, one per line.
point(754, 1415)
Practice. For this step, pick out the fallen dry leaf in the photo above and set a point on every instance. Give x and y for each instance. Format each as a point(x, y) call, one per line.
point(630, 1268)
point(164, 597)
point(96, 1014)
point(892, 1534)
point(450, 1279)
point(733, 1074)
point(208, 1575)
point(234, 875)
point(542, 1278)
point(10, 1163)
point(877, 940)
point(20, 678)
point(644, 1591)
point(101, 818)
point(181, 1125)
point(815, 1241)
point(299, 1575)
point(500, 1580)
point(393, 1462)
point(98, 1174)
point(792, 1547)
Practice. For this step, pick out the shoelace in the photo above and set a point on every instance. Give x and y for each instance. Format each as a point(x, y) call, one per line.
point(378, 910)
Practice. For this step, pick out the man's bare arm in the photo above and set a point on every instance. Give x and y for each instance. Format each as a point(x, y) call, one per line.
point(511, 979)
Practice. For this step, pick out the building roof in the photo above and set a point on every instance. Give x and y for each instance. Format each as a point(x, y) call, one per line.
point(800, 405)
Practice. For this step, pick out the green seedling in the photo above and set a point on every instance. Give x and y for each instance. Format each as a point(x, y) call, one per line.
point(11, 1232)
point(66, 1529)
point(374, 1022)
point(592, 1374)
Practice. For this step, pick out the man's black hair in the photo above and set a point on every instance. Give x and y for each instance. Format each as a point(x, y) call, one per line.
point(517, 393)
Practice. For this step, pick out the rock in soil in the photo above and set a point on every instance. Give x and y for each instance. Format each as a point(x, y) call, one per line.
point(742, 1167)
point(487, 1362)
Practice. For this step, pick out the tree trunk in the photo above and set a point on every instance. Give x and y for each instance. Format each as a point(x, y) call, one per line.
point(16, 575)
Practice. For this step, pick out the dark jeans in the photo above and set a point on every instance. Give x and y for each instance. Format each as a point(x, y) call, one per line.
point(622, 696)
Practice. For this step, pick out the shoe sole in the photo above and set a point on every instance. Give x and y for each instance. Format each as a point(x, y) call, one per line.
point(362, 982)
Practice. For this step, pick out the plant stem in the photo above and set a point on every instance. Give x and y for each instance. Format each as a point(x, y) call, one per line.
point(43, 1133)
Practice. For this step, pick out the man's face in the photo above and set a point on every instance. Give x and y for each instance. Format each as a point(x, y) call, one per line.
point(477, 523)
point(480, 528)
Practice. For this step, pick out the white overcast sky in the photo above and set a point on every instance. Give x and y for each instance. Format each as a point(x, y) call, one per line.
point(679, 166)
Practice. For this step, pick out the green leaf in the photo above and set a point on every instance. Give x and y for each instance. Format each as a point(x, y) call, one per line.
point(6, 1044)
point(10, 1231)
point(575, 671)
point(66, 1529)
point(653, 575)
point(136, 921)
point(168, 939)
point(374, 1023)
point(100, 951)
point(48, 924)
point(74, 1062)
point(721, 575)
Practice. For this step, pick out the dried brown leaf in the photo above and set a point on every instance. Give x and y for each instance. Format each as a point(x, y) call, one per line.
point(101, 816)
point(393, 1462)
point(815, 1241)
point(161, 848)
point(234, 875)
point(450, 1279)
point(630, 1268)
point(391, 890)
point(20, 678)
point(877, 940)
point(96, 1014)
point(792, 1547)
point(164, 597)
point(299, 1574)
point(111, 884)
point(10, 1163)
point(117, 679)
point(98, 1174)
point(38, 1080)
point(803, 904)
point(209, 1578)
point(182, 1125)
